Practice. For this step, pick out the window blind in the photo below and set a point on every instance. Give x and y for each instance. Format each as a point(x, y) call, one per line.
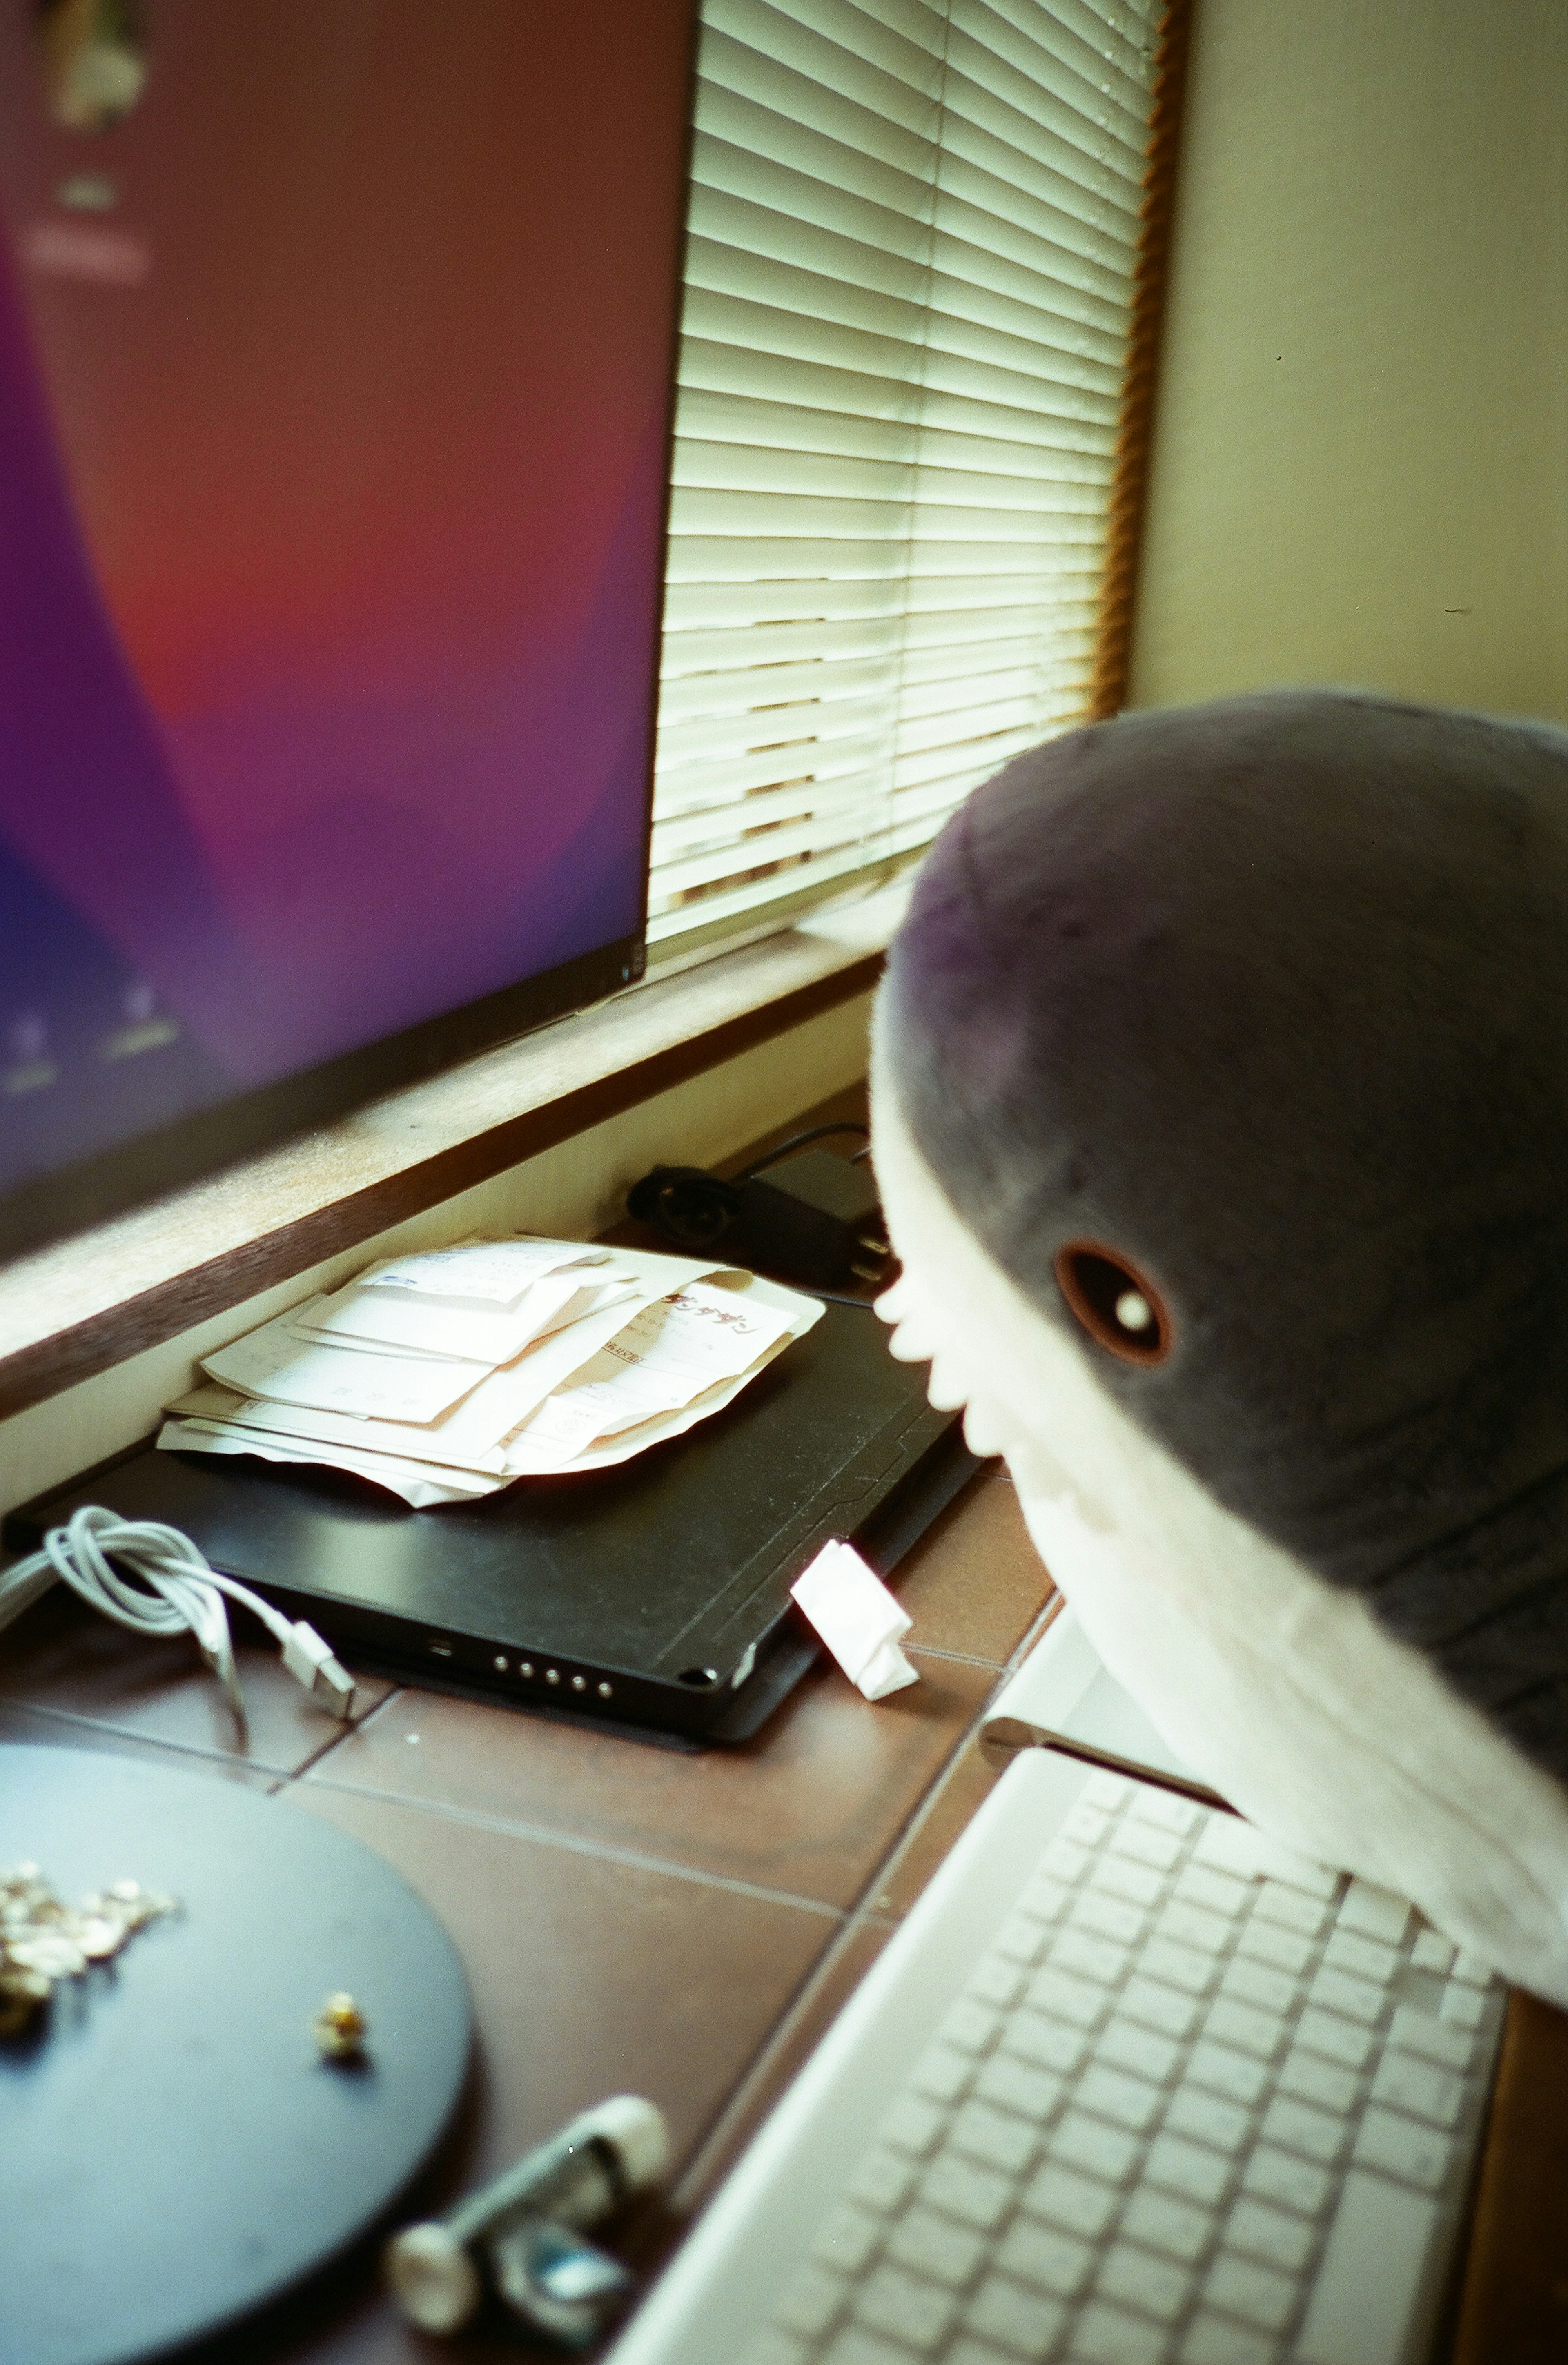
point(909, 285)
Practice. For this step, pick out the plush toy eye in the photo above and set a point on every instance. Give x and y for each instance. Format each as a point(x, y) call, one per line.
point(1119, 1306)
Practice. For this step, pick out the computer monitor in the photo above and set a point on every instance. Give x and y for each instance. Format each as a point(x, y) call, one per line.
point(336, 357)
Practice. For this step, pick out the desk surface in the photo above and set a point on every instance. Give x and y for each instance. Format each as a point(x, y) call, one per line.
point(684, 1926)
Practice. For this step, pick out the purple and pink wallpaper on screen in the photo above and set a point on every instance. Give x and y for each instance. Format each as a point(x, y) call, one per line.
point(333, 419)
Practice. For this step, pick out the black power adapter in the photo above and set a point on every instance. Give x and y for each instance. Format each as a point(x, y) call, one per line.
point(815, 1218)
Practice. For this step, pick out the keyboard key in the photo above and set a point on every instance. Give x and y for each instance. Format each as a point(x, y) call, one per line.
point(1088, 1958)
point(1419, 2154)
point(1312, 2079)
point(1433, 1953)
point(1342, 2041)
point(1165, 1809)
point(1237, 2076)
point(1207, 2119)
point(883, 2182)
point(773, 2347)
point(1194, 1925)
point(1117, 1875)
point(1179, 1966)
point(814, 2298)
point(1256, 2294)
point(1245, 2026)
point(1086, 2143)
point(1044, 2043)
point(847, 2240)
point(1065, 1861)
point(1108, 1917)
point(1025, 2324)
point(936, 2246)
point(1190, 2171)
point(1108, 1791)
point(1023, 1939)
point(1276, 2236)
point(996, 2139)
point(1124, 2045)
point(1159, 1849)
point(914, 2126)
point(1279, 2176)
point(942, 2073)
point(1046, 2259)
point(1163, 2224)
point(1031, 2094)
point(1111, 2094)
point(1270, 1942)
point(855, 2346)
point(1369, 2274)
point(1211, 2341)
point(962, 2189)
point(1106, 2335)
point(1375, 1913)
point(1277, 1861)
point(1258, 1983)
point(1434, 2040)
point(1046, 1899)
point(908, 2307)
point(970, 2026)
point(1138, 2280)
point(1334, 1991)
point(1227, 1844)
point(1290, 1909)
point(1078, 2205)
point(1159, 2007)
point(997, 1983)
point(1368, 1958)
point(1217, 1892)
point(1463, 2007)
point(1064, 1997)
point(1317, 2134)
point(1418, 2087)
point(1086, 1824)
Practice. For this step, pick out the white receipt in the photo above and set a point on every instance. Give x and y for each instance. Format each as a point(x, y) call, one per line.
point(481, 1273)
point(668, 1353)
point(274, 1363)
point(858, 1620)
point(411, 1322)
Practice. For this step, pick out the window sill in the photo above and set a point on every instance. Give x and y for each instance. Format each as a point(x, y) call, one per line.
point(79, 1306)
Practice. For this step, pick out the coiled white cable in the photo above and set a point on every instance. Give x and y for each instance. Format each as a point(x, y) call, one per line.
point(179, 1592)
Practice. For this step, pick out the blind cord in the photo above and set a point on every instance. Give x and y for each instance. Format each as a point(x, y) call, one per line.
point(171, 1590)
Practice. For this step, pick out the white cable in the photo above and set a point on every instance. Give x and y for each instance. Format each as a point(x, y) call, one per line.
point(179, 1592)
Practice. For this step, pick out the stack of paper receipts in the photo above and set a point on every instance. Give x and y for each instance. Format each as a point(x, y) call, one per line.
point(448, 1374)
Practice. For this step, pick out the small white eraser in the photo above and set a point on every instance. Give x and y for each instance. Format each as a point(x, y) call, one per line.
point(857, 1618)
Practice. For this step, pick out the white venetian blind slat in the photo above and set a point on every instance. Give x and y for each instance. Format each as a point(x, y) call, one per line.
point(909, 262)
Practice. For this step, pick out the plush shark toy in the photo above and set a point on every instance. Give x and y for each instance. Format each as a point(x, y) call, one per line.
point(1220, 1113)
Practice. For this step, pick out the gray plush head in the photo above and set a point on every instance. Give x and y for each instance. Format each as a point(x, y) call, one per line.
point(1258, 1012)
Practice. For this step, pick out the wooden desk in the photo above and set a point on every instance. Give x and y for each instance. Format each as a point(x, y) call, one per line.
point(682, 1926)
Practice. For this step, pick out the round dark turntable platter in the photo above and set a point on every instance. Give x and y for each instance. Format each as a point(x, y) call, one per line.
point(174, 2151)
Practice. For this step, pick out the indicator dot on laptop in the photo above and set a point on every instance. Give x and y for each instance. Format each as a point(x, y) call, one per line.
point(552, 1675)
point(604, 1691)
point(579, 1683)
point(501, 1664)
point(525, 1666)
point(1133, 1311)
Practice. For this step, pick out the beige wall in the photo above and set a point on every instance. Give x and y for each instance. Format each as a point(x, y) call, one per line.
point(1360, 470)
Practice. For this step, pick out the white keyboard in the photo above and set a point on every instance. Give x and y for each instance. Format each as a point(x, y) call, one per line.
point(1131, 2086)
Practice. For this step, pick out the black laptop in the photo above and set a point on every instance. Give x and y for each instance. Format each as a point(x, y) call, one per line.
point(654, 1593)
